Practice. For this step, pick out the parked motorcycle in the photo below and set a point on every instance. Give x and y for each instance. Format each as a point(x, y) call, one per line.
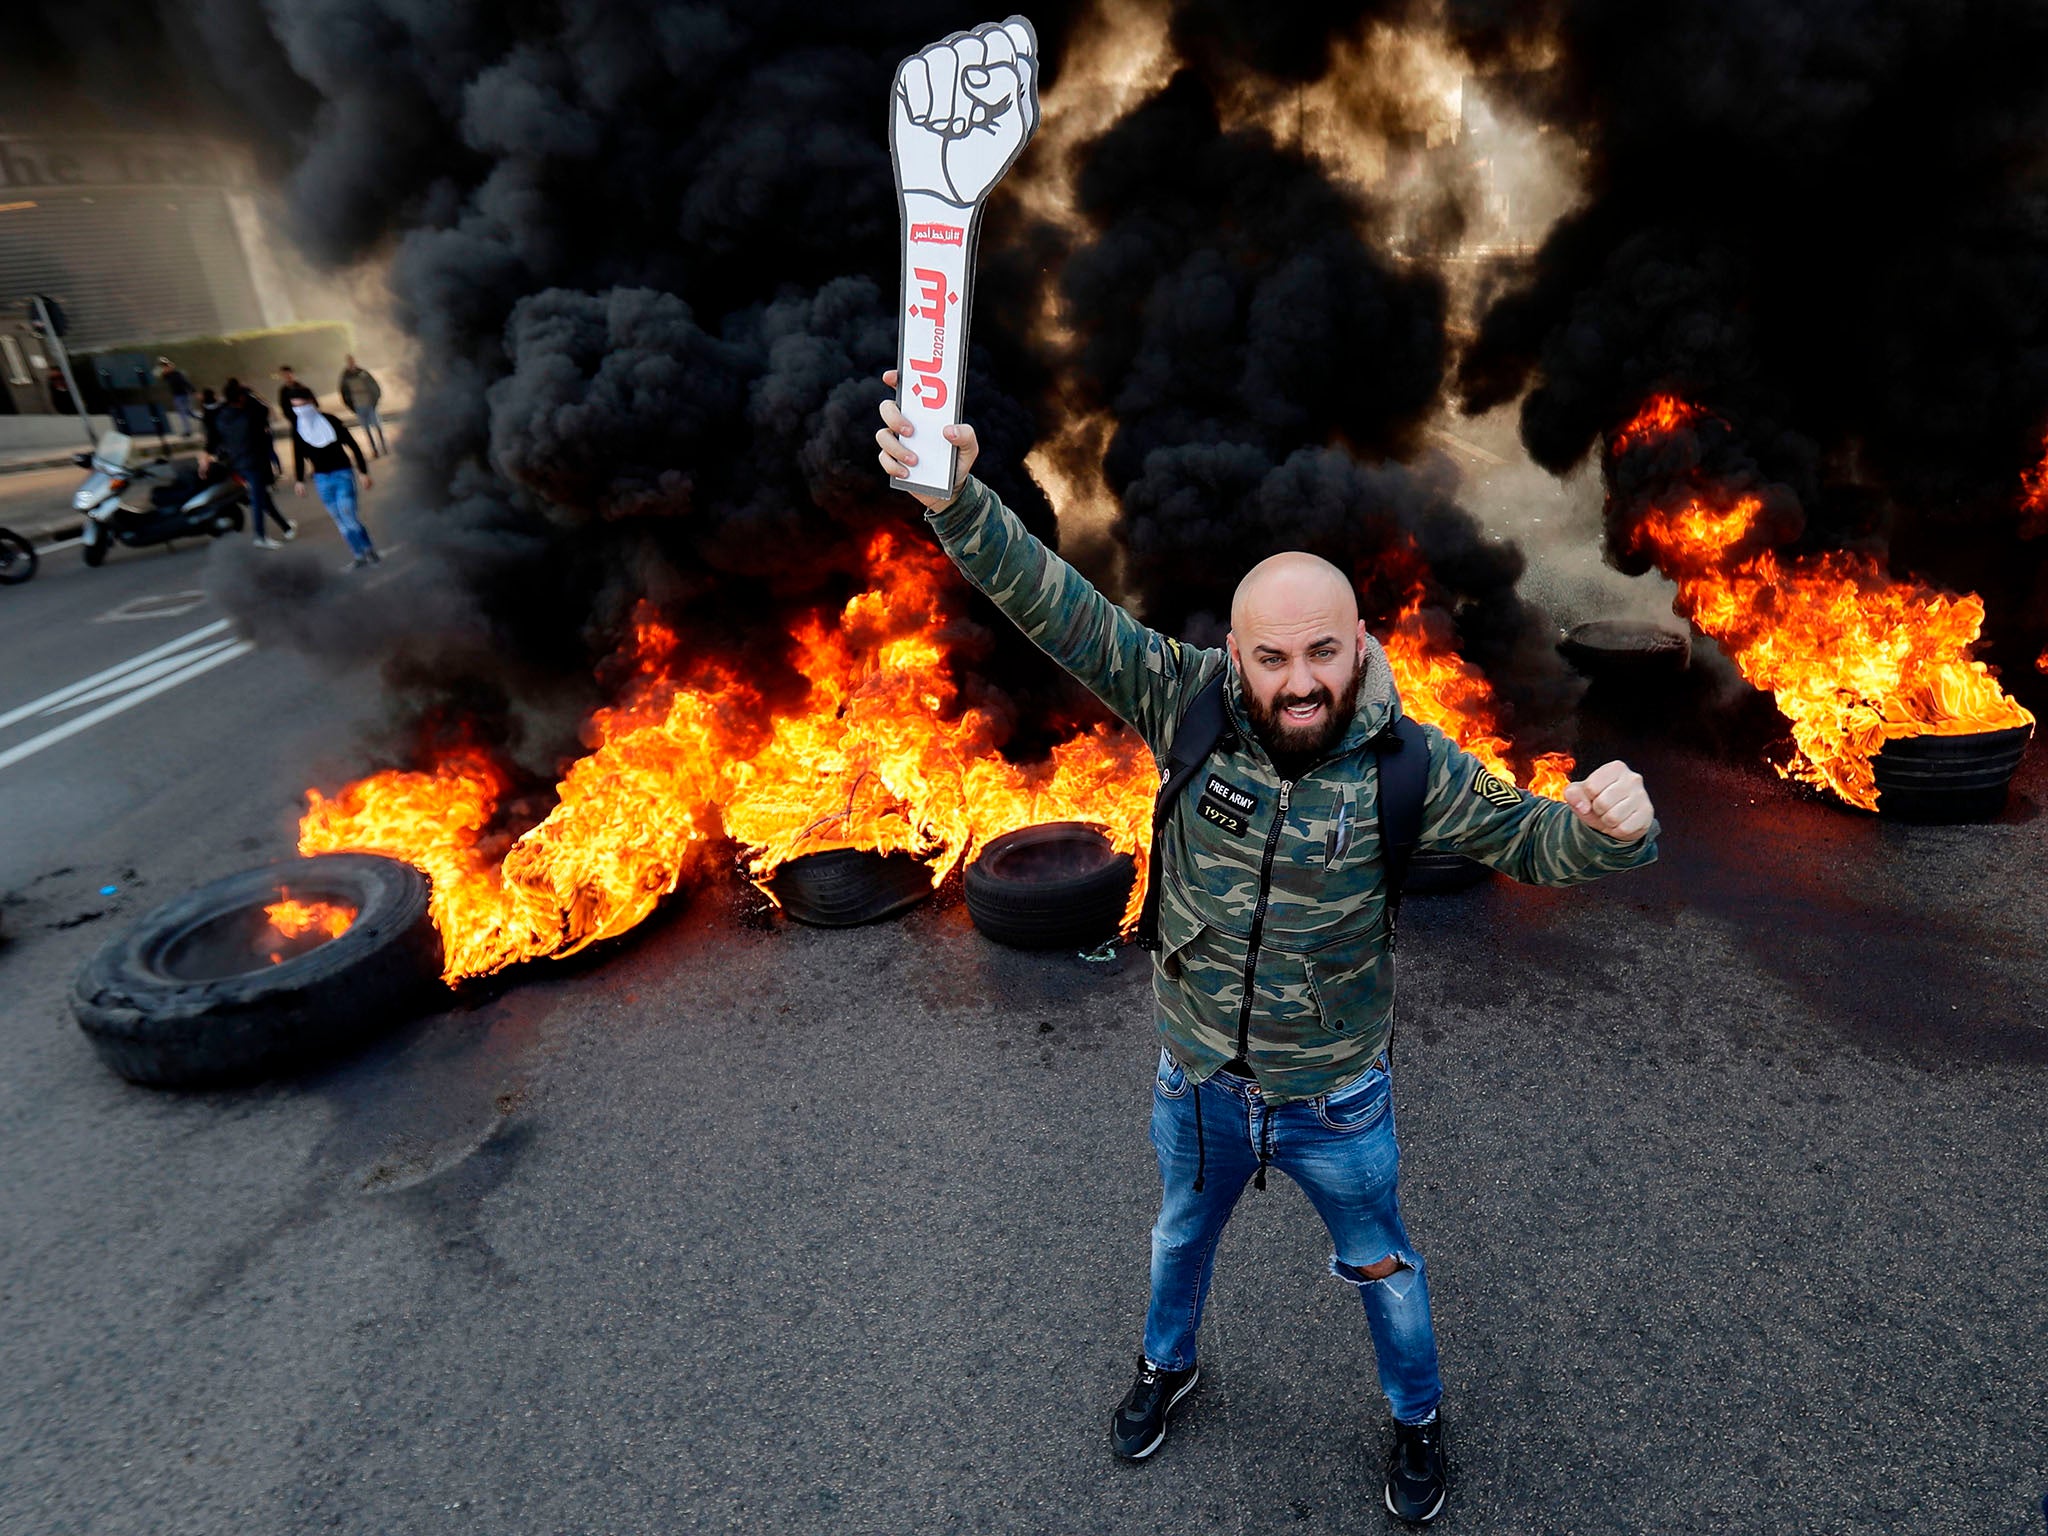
point(17, 558)
point(183, 504)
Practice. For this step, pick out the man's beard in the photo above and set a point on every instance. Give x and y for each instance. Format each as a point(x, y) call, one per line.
point(1295, 747)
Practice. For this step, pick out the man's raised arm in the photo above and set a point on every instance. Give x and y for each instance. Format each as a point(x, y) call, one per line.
point(1142, 675)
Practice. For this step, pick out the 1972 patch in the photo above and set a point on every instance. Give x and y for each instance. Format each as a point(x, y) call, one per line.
point(1226, 805)
point(1490, 789)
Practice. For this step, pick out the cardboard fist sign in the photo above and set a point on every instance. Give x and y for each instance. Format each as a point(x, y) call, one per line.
point(961, 113)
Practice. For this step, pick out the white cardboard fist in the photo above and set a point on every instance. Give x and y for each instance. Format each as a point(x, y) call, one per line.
point(961, 112)
point(964, 108)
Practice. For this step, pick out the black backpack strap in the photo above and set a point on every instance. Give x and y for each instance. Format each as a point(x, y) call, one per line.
point(1403, 751)
point(1202, 725)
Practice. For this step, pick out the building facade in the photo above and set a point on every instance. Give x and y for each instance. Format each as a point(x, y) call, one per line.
point(142, 238)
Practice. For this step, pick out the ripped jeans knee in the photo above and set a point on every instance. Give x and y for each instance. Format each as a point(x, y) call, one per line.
point(1396, 1272)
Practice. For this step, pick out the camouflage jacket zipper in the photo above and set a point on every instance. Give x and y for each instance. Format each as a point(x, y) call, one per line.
point(1251, 954)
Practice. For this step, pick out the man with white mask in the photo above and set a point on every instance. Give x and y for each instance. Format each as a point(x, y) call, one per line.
point(320, 441)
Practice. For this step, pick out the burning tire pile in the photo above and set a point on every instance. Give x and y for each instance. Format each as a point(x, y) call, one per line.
point(261, 973)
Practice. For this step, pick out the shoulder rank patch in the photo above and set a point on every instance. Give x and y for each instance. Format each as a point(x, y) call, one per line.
point(1493, 791)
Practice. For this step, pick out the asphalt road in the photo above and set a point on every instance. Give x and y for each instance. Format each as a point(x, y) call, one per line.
point(1728, 1172)
point(36, 503)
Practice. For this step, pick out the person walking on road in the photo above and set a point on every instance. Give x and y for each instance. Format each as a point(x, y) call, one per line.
point(239, 434)
point(321, 441)
point(360, 393)
point(290, 391)
point(1273, 976)
point(181, 393)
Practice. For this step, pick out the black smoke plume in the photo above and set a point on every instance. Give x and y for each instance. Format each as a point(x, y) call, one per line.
point(1270, 371)
point(648, 251)
point(1826, 221)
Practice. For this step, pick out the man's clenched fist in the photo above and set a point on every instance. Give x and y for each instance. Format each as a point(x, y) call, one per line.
point(964, 108)
point(1611, 799)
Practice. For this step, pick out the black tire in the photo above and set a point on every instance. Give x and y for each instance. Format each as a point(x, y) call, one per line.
point(1948, 778)
point(167, 1005)
point(1435, 873)
point(845, 887)
point(1060, 885)
point(96, 552)
point(1627, 652)
point(17, 558)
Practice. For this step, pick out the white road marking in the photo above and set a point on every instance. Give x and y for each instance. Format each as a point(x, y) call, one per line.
point(139, 676)
point(51, 737)
point(165, 605)
point(43, 705)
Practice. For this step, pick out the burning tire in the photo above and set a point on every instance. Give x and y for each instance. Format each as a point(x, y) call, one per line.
point(1432, 872)
point(211, 989)
point(1056, 886)
point(1626, 652)
point(1948, 778)
point(845, 887)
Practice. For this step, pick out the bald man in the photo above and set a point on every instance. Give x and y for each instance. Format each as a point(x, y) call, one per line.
point(1273, 979)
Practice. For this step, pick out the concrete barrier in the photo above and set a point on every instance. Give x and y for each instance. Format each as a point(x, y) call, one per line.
point(48, 434)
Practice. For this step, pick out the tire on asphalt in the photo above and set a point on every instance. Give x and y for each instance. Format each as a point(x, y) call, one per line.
point(188, 998)
point(1948, 778)
point(845, 887)
point(96, 552)
point(1628, 653)
point(1059, 885)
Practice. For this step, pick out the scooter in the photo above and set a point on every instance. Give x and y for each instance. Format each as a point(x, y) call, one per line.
point(182, 503)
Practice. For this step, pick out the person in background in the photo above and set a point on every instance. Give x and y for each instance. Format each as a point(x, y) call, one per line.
point(239, 433)
point(60, 392)
point(181, 393)
point(321, 441)
point(360, 393)
point(290, 391)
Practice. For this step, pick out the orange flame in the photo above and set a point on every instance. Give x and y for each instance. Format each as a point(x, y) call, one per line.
point(1663, 415)
point(291, 918)
point(1854, 656)
point(2034, 496)
point(879, 755)
point(1441, 688)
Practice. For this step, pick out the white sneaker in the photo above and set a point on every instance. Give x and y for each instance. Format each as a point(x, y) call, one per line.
point(291, 531)
point(264, 543)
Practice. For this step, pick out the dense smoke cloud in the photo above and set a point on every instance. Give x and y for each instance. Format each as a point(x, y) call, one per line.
point(649, 253)
point(1269, 370)
point(1828, 224)
point(644, 248)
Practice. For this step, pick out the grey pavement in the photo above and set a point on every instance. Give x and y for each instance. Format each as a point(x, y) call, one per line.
point(1728, 1175)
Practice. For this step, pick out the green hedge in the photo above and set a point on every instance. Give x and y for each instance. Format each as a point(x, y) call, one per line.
point(314, 349)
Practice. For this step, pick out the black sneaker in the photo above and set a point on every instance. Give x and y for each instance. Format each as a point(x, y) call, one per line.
point(1416, 1477)
point(1139, 1427)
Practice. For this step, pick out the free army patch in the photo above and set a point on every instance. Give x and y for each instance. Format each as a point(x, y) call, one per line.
point(1490, 789)
point(1226, 805)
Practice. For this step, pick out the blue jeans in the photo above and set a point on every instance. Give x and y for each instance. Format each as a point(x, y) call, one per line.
point(1339, 1147)
point(373, 429)
point(337, 488)
point(181, 406)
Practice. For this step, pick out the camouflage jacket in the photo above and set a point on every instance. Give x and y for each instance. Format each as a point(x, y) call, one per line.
point(1297, 861)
